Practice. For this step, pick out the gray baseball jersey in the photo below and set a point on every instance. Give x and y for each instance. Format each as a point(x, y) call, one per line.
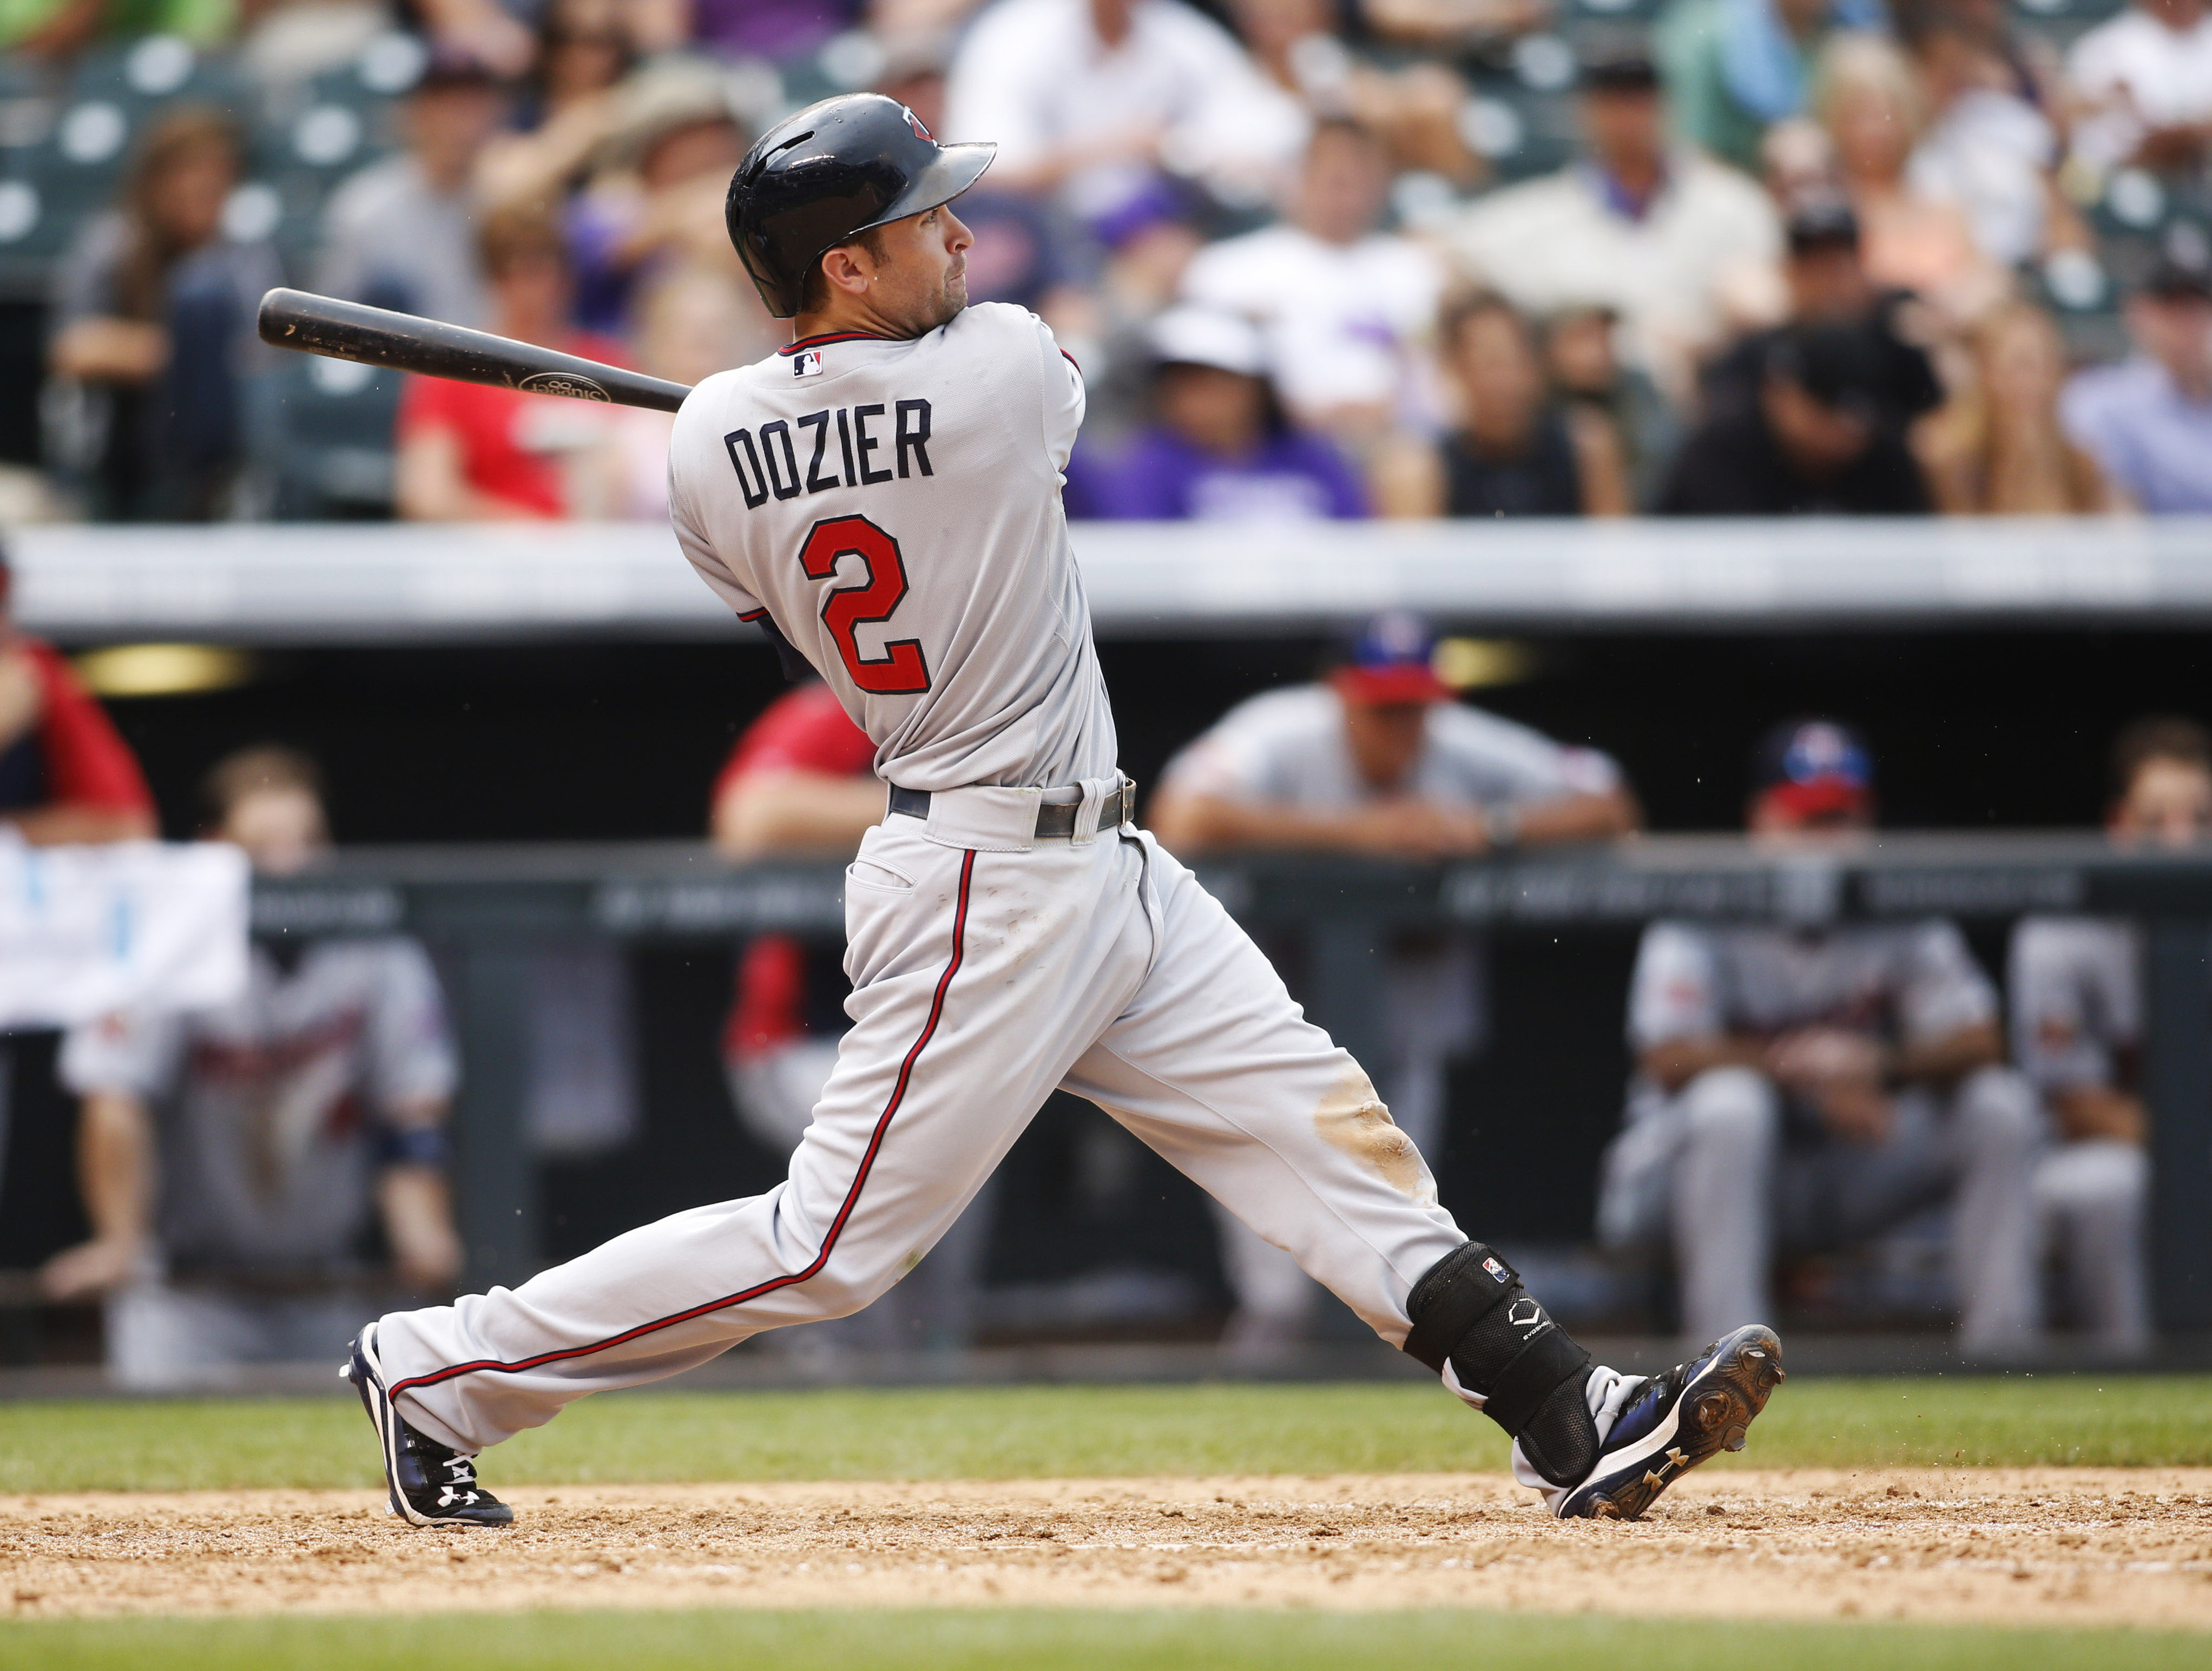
point(896, 506)
point(1290, 746)
point(2076, 999)
point(266, 1108)
point(1692, 982)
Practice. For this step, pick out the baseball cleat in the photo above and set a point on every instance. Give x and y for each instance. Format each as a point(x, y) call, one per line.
point(426, 1483)
point(1677, 1421)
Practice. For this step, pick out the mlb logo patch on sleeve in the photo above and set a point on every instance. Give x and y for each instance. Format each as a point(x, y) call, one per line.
point(807, 363)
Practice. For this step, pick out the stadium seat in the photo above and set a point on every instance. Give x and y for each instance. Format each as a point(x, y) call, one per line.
point(322, 430)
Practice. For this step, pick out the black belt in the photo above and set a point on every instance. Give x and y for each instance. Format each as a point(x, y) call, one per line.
point(1053, 818)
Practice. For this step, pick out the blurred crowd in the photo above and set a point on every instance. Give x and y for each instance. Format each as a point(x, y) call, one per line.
point(1317, 257)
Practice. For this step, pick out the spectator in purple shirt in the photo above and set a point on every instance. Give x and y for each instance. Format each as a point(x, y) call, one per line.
point(1219, 447)
point(2148, 422)
point(779, 30)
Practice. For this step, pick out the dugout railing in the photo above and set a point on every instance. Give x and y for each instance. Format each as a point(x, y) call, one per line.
point(485, 909)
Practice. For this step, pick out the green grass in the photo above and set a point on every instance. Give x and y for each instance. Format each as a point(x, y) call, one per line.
point(1036, 1640)
point(1027, 1432)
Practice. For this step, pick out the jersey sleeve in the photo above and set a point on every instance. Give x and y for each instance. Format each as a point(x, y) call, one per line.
point(1944, 987)
point(1064, 397)
point(2050, 1033)
point(1675, 992)
point(134, 1053)
point(2076, 1000)
point(1245, 755)
point(691, 536)
point(88, 763)
point(1500, 761)
point(409, 1052)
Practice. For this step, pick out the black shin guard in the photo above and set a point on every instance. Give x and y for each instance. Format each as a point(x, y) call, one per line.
point(1470, 1310)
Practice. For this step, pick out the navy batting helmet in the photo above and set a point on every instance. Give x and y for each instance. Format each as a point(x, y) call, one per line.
point(827, 173)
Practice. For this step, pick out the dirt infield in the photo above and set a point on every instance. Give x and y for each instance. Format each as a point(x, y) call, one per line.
point(2017, 1545)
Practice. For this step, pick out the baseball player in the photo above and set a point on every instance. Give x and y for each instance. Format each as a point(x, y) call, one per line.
point(2077, 1018)
point(1803, 1087)
point(232, 1158)
point(1378, 758)
point(883, 495)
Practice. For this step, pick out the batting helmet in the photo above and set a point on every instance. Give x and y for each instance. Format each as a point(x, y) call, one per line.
point(827, 173)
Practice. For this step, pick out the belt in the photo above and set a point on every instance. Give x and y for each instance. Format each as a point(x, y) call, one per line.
point(1053, 818)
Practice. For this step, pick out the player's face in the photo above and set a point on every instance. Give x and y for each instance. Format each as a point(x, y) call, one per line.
point(1385, 737)
point(281, 829)
point(2168, 804)
point(922, 281)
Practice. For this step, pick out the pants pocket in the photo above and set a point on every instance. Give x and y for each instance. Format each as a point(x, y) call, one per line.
point(877, 878)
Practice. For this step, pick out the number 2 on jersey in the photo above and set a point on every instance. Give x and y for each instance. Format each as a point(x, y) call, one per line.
point(900, 670)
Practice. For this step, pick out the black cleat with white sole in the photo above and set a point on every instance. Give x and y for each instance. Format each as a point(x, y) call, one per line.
point(428, 1484)
point(1677, 1421)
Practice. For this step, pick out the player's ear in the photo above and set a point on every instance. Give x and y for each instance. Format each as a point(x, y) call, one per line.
point(848, 268)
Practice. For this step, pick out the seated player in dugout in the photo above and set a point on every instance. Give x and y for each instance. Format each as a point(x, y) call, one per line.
point(883, 496)
point(237, 1161)
point(1378, 757)
point(1802, 1086)
point(66, 775)
point(801, 782)
point(2077, 1023)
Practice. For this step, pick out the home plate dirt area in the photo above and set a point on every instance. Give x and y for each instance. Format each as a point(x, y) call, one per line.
point(2013, 1546)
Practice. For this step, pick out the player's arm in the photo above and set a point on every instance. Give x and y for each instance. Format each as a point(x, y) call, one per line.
point(1673, 1063)
point(414, 1201)
point(1592, 816)
point(778, 812)
point(1189, 823)
point(66, 825)
point(115, 1163)
point(2055, 990)
point(1947, 1057)
point(1678, 1024)
point(2085, 1112)
point(1947, 1011)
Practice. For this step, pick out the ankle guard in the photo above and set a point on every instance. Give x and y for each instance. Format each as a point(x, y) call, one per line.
point(1470, 1310)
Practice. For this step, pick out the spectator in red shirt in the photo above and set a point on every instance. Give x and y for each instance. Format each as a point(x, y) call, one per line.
point(469, 452)
point(801, 782)
point(65, 776)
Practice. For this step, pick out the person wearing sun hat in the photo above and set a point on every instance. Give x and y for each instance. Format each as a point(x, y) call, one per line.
point(1220, 446)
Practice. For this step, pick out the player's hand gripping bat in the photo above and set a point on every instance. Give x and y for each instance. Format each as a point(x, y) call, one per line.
point(376, 337)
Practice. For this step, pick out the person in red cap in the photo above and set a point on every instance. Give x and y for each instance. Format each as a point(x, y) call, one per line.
point(65, 776)
point(1803, 1085)
point(1379, 757)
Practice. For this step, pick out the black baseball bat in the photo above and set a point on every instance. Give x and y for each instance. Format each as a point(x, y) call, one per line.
point(377, 337)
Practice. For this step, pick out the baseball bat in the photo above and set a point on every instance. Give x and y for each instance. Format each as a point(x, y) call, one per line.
point(377, 337)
